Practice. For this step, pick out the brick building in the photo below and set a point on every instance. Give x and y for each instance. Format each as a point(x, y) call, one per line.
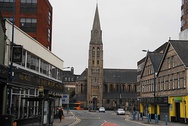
point(32, 16)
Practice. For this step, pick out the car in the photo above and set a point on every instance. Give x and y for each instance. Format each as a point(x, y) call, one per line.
point(101, 109)
point(120, 111)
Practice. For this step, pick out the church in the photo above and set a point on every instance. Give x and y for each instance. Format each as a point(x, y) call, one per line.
point(98, 86)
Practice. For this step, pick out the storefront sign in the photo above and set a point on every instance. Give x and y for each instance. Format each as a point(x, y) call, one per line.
point(24, 77)
point(17, 54)
point(177, 99)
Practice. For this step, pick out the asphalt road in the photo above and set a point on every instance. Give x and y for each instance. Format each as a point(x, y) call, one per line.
point(109, 118)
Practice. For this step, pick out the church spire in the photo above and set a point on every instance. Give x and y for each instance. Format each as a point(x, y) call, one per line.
point(96, 33)
point(96, 22)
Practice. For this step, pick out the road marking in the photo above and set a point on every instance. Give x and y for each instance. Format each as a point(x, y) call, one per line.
point(109, 124)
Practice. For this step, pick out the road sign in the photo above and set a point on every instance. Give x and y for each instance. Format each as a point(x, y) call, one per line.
point(65, 99)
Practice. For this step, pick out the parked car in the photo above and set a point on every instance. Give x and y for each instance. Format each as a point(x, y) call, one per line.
point(120, 111)
point(101, 109)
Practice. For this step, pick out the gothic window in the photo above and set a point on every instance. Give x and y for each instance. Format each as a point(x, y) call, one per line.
point(111, 88)
point(98, 52)
point(135, 88)
point(81, 90)
point(97, 62)
point(105, 88)
point(117, 88)
point(123, 88)
point(93, 62)
point(129, 88)
point(93, 52)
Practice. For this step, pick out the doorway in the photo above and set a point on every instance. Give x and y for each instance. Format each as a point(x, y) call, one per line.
point(177, 118)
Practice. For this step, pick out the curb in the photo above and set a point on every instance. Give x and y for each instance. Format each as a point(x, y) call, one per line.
point(76, 121)
point(137, 122)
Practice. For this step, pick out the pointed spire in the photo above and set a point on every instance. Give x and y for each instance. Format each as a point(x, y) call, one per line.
point(96, 22)
point(96, 32)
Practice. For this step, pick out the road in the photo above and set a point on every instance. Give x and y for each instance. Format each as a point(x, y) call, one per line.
point(109, 118)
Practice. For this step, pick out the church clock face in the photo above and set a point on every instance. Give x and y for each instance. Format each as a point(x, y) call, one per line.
point(96, 31)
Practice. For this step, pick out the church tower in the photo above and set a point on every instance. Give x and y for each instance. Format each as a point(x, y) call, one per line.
point(95, 66)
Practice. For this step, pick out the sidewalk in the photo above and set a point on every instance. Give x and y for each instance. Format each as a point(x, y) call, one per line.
point(69, 120)
point(145, 122)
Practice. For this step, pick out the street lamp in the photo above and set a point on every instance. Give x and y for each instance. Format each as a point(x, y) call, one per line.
point(154, 82)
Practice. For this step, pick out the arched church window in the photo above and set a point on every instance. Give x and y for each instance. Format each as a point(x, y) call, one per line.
point(97, 62)
point(117, 87)
point(123, 88)
point(93, 62)
point(129, 88)
point(93, 52)
point(105, 88)
point(98, 52)
point(81, 88)
point(135, 88)
point(111, 88)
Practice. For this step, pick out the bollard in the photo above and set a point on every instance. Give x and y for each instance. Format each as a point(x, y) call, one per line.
point(142, 116)
point(138, 115)
point(166, 118)
point(148, 118)
point(155, 118)
point(133, 115)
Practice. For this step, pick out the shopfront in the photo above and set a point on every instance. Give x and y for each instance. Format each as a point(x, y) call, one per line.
point(3, 85)
point(178, 109)
point(25, 98)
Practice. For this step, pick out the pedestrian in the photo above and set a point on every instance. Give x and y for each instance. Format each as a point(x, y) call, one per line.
point(61, 115)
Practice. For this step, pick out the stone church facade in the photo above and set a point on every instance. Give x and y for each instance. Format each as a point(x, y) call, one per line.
point(98, 86)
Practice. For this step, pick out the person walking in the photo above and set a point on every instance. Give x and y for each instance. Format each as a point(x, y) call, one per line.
point(61, 115)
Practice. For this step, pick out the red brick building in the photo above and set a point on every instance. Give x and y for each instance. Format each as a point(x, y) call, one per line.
point(32, 16)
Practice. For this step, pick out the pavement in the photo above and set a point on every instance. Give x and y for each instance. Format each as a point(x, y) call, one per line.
point(69, 120)
point(144, 121)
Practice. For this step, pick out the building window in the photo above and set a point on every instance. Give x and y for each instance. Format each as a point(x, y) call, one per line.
point(97, 62)
point(173, 84)
point(93, 52)
point(111, 88)
point(28, 6)
point(98, 52)
point(178, 74)
point(184, 80)
point(49, 35)
point(164, 83)
point(129, 88)
point(32, 62)
point(117, 88)
point(44, 68)
point(6, 5)
point(169, 61)
point(49, 17)
point(169, 82)
point(28, 24)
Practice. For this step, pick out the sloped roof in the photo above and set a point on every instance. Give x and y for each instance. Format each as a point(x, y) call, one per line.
point(115, 75)
point(120, 75)
point(181, 47)
point(155, 59)
point(83, 76)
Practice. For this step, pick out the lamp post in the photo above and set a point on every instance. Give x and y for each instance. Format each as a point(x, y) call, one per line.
point(154, 83)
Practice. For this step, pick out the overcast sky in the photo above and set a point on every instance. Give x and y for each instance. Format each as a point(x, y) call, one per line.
point(128, 27)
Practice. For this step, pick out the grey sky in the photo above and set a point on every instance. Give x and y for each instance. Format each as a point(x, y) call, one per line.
point(128, 27)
